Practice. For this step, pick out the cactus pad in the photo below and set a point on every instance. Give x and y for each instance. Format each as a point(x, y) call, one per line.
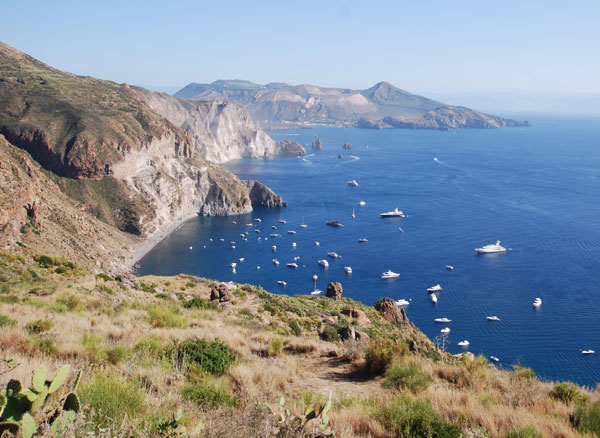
point(59, 379)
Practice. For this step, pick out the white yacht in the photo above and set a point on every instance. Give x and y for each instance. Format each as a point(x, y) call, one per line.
point(234, 222)
point(291, 232)
point(449, 267)
point(274, 248)
point(353, 214)
point(436, 288)
point(348, 270)
point(282, 221)
point(249, 225)
point(323, 263)
point(333, 254)
point(445, 331)
point(275, 261)
point(362, 203)
point(274, 235)
point(537, 302)
point(273, 227)
point(389, 274)
point(241, 259)
point(256, 230)
point(191, 247)
point(281, 282)
point(353, 183)
point(491, 248)
point(296, 258)
point(317, 243)
point(294, 245)
point(363, 240)
point(492, 318)
point(433, 298)
point(393, 213)
point(292, 265)
point(258, 220)
point(464, 343)
point(303, 225)
point(402, 303)
point(494, 358)
point(586, 352)
point(233, 265)
point(446, 320)
point(316, 292)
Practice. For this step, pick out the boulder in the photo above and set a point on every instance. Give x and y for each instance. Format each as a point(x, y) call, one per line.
point(361, 337)
point(317, 144)
point(390, 311)
point(347, 145)
point(214, 294)
point(359, 315)
point(347, 332)
point(334, 290)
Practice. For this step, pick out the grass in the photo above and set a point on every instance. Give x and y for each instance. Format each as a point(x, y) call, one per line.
point(586, 418)
point(525, 432)
point(5, 321)
point(275, 346)
point(39, 326)
point(166, 317)
point(406, 376)
point(208, 396)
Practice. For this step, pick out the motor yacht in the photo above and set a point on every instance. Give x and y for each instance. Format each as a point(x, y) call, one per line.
point(249, 225)
point(586, 352)
point(274, 227)
point(393, 213)
point(274, 235)
point(191, 248)
point(233, 265)
point(317, 243)
point(333, 254)
point(316, 292)
point(433, 298)
point(494, 358)
point(362, 203)
point(389, 274)
point(334, 223)
point(296, 258)
point(363, 240)
point(275, 261)
point(449, 267)
point(258, 220)
point(353, 183)
point(292, 265)
point(436, 288)
point(537, 302)
point(323, 263)
point(241, 259)
point(281, 282)
point(282, 221)
point(348, 270)
point(402, 303)
point(492, 318)
point(491, 248)
point(445, 331)
point(274, 248)
point(445, 320)
point(291, 232)
point(294, 245)
point(464, 343)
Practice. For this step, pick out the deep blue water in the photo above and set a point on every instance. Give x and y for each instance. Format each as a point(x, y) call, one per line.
point(536, 189)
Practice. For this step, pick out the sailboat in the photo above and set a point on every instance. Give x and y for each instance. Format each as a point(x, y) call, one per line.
point(353, 214)
point(303, 225)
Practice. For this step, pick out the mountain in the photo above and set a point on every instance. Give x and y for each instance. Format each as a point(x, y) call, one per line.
point(107, 150)
point(381, 106)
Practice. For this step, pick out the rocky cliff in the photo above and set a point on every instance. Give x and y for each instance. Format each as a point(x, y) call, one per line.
point(381, 106)
point(262, 196)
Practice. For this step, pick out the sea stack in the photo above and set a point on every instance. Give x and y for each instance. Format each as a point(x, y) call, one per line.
point(317, 144)
point(347, 145)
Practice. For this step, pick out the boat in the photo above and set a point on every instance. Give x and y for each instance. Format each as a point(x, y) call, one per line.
point(464, 343)
point(190, 248)
point(274, 235)
point(258, 220)
point(445, 331)
point(449, 267)
point(275, 261)
point(433, 298)
point(389, 274)
point(586, 352)
point(274, 227)
point(316, 292)
point(362, 203)
point(234, 222)
point(317, 243)
point(333, 254)
point(296, 258)
point(249, 225)
point(393, 213)
point(353, 214)
point(291, 232)
point(492, 318)
point(222, 240)
point(241, 259)
point(402, 303)
point(491, 248)
point(348, 269)
point(293, 244)
point(292, 265)
point(281, 282)
point(323, 263)
point(436, 159)
point(334, 223)
point(232, 246)
point(537, 302)
point(353, 183)
point(232, 242)
point(258, 267)
point(274, 248)
point(282, 221)
point(363, 240)
point(494, 358)
point(303, 225)
point(446, 320)
point(436, 288)
point(256, 230)
point(233, 265)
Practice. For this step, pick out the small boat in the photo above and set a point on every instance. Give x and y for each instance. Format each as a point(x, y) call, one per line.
point(222, 240)
point(446, 320)
point(586, 352)
point(294, 245)
point(449, 267)
point(537, 302)
point(241, 259)
point(296, 258)
point(316, 292)
point(190, 248)
point(281, 221)
point(323, 263)
point(234, 222)
point(242, 235)
point(334, 223)
point(249, 225)
point(333, 254)
point(273, 227)
point(292, 265)
point(274, 248)
point(291, 232)
point(353, 214)
point(436, 288)
point(492, 318)
point(317, 243)
point(491, 248)
point(275, 261)
point(393, 213)
point(464, 343)
point(233, 265)
point(494, 358)
point(211, 239)
point(436, 159)
point(353, 183)
point(258, 267)
point(303, 225)
point(445, 331)
point(256, 230)
point(232, 242)
point(274, 235)
point(232, 246)
point(204, 246)
point(362, 203)
point(363, 240)
point(281, 282)
point(389, 274)
point(348, 270)
point(433, 298)
point(402, 303)
point(258, 220)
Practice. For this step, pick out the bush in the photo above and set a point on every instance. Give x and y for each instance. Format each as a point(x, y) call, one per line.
point(525, 432)
point(523, 373)
point(587, 418)
point(200, 303)
point(45, 345)
point(409, 376)
point(381, 353)
point(246, 314)
point(295, 328)
point(208, 396)
point(330, 333)
point(103, 276)
point(567, 393)
point(5, 321)
point(275, 346)
point(150, 345)
point(403, 419)
point(161, 316)
point(117, 354)
point(213, 357)
point(112, 397)
point(39, 326)
point(68, 302)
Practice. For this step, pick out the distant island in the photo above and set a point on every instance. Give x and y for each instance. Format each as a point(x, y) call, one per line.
point(278, 105)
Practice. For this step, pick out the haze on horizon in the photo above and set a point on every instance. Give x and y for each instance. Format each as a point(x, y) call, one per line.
point(530, 56)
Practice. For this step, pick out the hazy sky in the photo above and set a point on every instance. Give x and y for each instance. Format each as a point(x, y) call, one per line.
point(448, 46)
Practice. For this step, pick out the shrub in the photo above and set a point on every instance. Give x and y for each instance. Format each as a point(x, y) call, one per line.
point(103, 276)
point(403, 419)
point(213, 357)
point(587, 418)
point(68, 302)
point(93, 345)
point(117, 354)
point(161, 316)
point(246, 314)
point(409, 376)
point(295, 328)
point(39, 326)
point(5, 321)
point(112, 397)
point(275, 346)
point(567, 393)
point(208, 396)
point(380, 353)
point(150, 345)
point(330, 333)
point(200, 303)
point(524, 432)
point(523, 373)
point(45, 345)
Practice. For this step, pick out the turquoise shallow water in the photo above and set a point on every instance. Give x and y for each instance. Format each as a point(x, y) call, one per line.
point(536, 189)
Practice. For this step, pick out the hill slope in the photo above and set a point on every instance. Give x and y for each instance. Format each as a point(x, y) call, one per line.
point(381, 106)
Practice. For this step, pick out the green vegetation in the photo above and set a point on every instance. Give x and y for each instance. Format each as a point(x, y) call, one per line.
point(526, 432)
point(409, 376)
point(166, 317)
point(213, 357)
point(381, 353)
point(200, 303)
point(567, 393)
point(5, 321)
point(523, 373)
point(587, 418)
point(208, 396)
point(39, 326)
point(275, 346)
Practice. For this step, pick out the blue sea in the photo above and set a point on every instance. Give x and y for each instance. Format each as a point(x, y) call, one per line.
point(536, 189)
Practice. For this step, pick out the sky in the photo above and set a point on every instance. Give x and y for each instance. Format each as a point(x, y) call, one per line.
point(440, 48)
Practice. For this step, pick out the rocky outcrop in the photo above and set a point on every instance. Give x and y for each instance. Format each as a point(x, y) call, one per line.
point(290, 147)
point(360, 316)
point(334, 291)
point(317, 144)
point(347, 145)
point(390, 311)
point(262, 196)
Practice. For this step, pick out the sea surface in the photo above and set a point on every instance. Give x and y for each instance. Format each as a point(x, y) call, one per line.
point(536, 189)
